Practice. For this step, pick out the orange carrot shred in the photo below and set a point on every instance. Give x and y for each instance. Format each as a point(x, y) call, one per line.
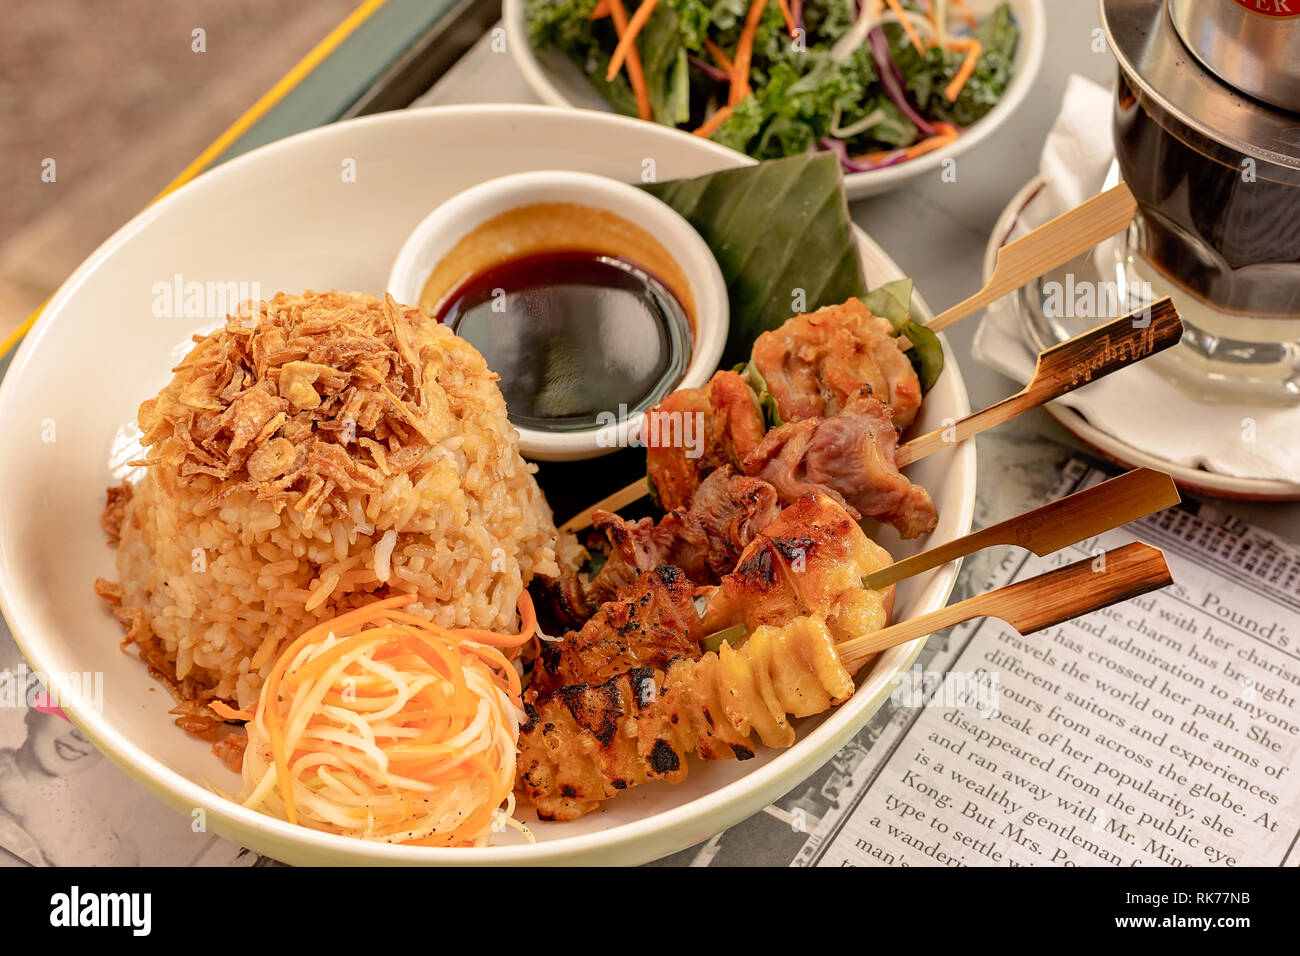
point(973, 50)
point(907, 25)
point(744, 54)
point(600, 11)
point(945, 135)
point(787, 15)
point(966, 14)
point(628, 37)
point(710, 125)
point(720, 58)
point(226, 712)
point(635, 74)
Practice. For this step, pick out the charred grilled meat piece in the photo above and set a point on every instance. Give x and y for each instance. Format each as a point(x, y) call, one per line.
point(815, 363)
point(651, 621)
point(562, 603)
point(851, 457)
point(584, 743)
point(704, 540)
point(810, 560)
point(696, 430)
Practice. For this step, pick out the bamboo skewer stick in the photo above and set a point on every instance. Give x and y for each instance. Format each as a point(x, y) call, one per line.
point(619, 499)
point(1031, 605)
point(1062, 369)
point(1054, 526)
point(1043, 249)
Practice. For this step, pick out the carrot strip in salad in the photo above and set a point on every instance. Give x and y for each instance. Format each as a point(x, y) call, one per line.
point(945, 135)
point(966, 14)
point(635, 73)
point(627, 37)
point(907, 25)
point(271, 689)
point(973, 51)
point(710, 125)
point(600, 11)
point(744, 54)
point(720, 58)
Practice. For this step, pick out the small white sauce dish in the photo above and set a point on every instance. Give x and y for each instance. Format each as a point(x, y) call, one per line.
point(450, 222)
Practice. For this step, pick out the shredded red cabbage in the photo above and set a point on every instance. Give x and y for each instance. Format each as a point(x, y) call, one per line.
point(708, 69)
point(891, 77)
point(852, 165)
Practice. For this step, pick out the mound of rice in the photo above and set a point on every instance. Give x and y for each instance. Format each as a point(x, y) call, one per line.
point(316, 453)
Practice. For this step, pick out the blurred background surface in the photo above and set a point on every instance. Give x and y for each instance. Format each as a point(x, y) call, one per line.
point(119, 98)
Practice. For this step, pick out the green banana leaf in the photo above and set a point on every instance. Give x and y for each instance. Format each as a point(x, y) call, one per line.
point(782, 236)
point(784, 241)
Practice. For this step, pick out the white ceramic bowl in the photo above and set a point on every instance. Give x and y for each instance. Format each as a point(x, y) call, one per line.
point(556, 80)
point(280, 216)
point(439, 231)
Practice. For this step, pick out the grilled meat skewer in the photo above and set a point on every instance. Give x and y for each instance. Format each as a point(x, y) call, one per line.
point(814, 363)
point(652, 621)
point(585, 744)
point(851, 457)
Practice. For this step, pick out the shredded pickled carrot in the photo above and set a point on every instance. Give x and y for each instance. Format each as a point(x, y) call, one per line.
point(226, 712)
point(600, 10)
point(720, 58)
point(381, 725)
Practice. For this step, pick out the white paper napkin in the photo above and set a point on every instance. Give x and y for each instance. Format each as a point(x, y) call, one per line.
point(1135, 405)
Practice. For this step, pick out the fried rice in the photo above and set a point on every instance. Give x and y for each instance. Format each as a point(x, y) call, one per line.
point(313, 454)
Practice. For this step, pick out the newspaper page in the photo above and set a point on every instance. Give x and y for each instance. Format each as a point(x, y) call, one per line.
point(1163, 731)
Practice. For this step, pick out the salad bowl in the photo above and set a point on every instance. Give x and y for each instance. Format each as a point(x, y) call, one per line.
point(558, 80)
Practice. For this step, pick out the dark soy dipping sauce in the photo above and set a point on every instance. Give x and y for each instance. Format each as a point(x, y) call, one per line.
point(572, 335)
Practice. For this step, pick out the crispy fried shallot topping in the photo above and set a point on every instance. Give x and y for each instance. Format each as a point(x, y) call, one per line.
point(299, 398)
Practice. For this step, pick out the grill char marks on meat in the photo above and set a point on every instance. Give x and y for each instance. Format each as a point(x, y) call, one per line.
point(810, 560)
point(704, 540)
point(652, 621)
point(815, 363)
point(696, 430)
point(583, 745)
point(851, 457)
